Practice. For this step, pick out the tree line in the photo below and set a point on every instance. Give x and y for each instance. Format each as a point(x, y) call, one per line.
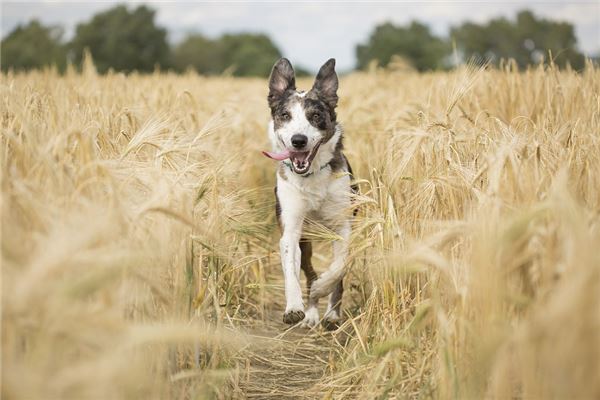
point(123, 39)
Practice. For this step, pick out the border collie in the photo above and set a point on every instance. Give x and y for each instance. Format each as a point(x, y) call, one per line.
point(313, 184)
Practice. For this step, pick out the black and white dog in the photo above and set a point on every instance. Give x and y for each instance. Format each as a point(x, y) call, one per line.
point(313, 184)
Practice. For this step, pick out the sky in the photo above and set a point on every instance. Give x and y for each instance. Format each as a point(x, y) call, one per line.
point(310, 32)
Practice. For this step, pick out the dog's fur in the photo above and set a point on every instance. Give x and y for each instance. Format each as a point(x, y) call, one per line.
point(320, 194)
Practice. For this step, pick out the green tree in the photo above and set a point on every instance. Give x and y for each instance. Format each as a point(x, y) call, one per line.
point(249, 54)
point(246, 54)
point(527, 40)
point(199, 53)
point(33, 46)
point(123, 40)
point(415, 43)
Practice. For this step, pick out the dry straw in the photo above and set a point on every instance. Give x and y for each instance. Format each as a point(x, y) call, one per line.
point(139, 241)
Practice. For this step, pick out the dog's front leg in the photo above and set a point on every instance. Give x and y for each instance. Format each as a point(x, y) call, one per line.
point(292, 219)
point(290, 262)
point(330, 282)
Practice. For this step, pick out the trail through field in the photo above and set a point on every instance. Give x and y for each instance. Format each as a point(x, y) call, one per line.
point(284, 361)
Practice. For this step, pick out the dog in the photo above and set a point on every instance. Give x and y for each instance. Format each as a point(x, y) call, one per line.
point(314, 183)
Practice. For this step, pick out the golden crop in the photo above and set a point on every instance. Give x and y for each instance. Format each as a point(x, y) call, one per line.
point(139, 239)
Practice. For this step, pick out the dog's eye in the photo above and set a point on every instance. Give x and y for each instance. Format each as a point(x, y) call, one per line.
point(316, 118)
point(285, 116)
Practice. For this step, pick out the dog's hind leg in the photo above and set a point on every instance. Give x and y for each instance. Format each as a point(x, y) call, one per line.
point(311, 318)
point(306, 264)
point(333, 313)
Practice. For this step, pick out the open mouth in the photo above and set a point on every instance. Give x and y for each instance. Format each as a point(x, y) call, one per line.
point(300, 160)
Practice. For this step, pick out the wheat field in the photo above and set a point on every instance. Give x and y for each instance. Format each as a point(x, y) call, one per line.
point(139, 242)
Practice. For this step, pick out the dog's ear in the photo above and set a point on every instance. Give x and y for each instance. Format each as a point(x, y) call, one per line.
point(326, 83)
point(282, 78)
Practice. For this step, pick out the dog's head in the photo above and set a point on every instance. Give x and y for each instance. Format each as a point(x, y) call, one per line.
point(302, 121)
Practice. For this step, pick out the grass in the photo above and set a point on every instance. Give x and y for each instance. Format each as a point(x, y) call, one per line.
point(139, 239)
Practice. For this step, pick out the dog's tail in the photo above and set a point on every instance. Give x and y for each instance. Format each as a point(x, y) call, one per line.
point(325, 284)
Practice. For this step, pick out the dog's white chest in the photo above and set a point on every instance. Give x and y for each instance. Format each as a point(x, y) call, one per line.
point(313, 191)
point(323, 197)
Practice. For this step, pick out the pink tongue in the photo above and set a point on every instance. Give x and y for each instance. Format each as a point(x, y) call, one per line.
point(277, 156)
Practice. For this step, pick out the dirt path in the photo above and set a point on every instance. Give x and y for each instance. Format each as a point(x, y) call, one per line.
point(285, 362)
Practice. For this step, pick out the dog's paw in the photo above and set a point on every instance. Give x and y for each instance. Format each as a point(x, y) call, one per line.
point(331, 321)
point(293, 316)
point(311, 319)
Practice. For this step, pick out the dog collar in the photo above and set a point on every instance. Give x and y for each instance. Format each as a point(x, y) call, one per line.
point(289, 165)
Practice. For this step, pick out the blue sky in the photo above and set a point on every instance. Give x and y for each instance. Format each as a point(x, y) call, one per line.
point(311, 32)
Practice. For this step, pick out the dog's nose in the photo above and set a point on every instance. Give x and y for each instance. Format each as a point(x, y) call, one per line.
point(299, 141)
